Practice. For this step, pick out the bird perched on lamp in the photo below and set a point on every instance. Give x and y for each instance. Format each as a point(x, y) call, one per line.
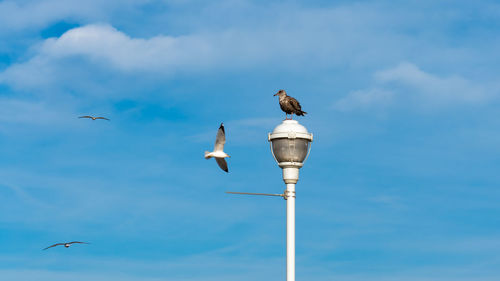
point(289, 105)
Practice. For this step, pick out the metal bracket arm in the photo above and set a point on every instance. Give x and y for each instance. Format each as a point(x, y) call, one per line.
point(285, 194)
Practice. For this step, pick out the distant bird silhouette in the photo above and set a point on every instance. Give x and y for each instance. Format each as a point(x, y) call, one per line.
point(218, 152)
point(93, 118)
point(66, 244)
point(289, 105)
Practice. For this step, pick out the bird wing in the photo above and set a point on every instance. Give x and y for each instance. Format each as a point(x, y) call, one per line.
point(295, 104)
point(222, 164)
point(86, 116)
point(57, 244)
point(104, 118)
point(78, 242)
point(220, 139)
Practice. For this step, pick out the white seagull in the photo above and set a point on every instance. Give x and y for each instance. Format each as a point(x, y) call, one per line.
point(67, 244)
point(218, 152)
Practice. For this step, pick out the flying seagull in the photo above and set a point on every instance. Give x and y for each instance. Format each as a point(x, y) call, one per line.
point(93, 118)
point(218, 152)
point(289, 105)
point(66, 244)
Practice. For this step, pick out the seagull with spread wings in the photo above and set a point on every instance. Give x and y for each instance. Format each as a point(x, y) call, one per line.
point(94, 118)
point(67, 244)
point(218, 152)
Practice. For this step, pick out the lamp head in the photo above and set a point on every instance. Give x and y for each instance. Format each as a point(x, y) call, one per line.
point(290, 144)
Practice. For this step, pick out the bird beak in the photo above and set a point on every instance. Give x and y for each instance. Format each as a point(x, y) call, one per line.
point(276, 94)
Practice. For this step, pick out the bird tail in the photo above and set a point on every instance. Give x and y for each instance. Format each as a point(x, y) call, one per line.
point(301, 113)
point(207, 156)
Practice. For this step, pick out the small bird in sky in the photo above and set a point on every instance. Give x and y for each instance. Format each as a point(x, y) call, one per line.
point(93, 118)
point(289, 105)
point(218, 152)
point(66, 244)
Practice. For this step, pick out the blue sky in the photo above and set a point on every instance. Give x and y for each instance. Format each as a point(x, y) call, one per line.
point(402, 182)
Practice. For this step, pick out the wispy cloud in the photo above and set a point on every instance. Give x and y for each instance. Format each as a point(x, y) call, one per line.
point(434, 88)
point(19, 15)
point(363, 99)
point(409, 84)
point(18, 112)
point(207, 268)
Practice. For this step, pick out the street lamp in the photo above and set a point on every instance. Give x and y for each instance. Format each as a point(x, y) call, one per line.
point(290, 146)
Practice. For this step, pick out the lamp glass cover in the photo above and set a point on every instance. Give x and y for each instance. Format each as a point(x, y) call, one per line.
point(290, 150)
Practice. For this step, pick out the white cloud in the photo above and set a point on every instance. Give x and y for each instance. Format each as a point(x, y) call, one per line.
point(35, 14)
point(104, 44)
point(434, 88)
point(23, 115)
point(406, 82)
point(74, 60)
point(364, 99)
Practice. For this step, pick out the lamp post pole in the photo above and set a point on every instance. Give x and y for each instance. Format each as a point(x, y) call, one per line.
point(290, 232)
point(290, 177)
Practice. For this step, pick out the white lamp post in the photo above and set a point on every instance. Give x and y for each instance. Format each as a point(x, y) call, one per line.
point(290, 146)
